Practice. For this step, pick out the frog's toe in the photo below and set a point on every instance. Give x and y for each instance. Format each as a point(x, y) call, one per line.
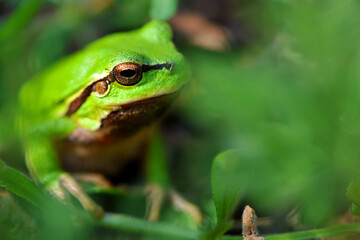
point(187, 207)
point(93, 178)
point(96, 211)
point(65, 184)
point(156, 196)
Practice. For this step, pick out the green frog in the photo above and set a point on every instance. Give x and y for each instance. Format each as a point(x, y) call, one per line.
point(93, 112)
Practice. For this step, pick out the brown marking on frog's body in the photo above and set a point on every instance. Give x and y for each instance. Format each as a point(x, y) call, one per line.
point(121, 139)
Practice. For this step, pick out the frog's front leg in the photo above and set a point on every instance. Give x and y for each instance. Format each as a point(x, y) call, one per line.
point(44, 166)
point(159, 187)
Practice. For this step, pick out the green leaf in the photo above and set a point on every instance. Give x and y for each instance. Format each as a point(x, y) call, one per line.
point(17, 183)
point(230, 179)
point(163, 9)
point(228, 183)
point(353, 195)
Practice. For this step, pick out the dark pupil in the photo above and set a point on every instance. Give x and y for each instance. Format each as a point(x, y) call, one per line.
point(128, 73)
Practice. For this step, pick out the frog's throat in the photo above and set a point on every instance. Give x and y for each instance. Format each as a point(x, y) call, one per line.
point(132, 116)
point(79, 100)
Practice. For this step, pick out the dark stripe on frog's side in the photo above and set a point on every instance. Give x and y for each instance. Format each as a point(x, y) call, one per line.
point(77, 102)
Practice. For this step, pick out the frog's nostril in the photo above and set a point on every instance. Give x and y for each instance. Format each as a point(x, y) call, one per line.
point(128, 73)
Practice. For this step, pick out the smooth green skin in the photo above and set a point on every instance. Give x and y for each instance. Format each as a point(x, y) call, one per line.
point(45, 99)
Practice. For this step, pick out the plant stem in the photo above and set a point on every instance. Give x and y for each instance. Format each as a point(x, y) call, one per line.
point(140, 226)
point(311, 234)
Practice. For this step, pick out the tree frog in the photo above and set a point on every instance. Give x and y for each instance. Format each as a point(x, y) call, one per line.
point(92, 112)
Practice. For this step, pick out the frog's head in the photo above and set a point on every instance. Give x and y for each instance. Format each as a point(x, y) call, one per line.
point(134, 83)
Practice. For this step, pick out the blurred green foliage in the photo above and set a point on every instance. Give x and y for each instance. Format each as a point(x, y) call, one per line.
point(291, 103)
point(289, 100)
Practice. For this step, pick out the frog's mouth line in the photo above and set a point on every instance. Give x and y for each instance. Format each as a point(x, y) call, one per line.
point(131, 116)
point(77, 102)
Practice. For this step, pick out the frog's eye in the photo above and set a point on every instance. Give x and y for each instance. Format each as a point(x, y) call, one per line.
point(128, 73)
point(101, 88)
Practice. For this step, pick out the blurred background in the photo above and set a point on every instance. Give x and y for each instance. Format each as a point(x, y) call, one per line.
point(277, 79)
